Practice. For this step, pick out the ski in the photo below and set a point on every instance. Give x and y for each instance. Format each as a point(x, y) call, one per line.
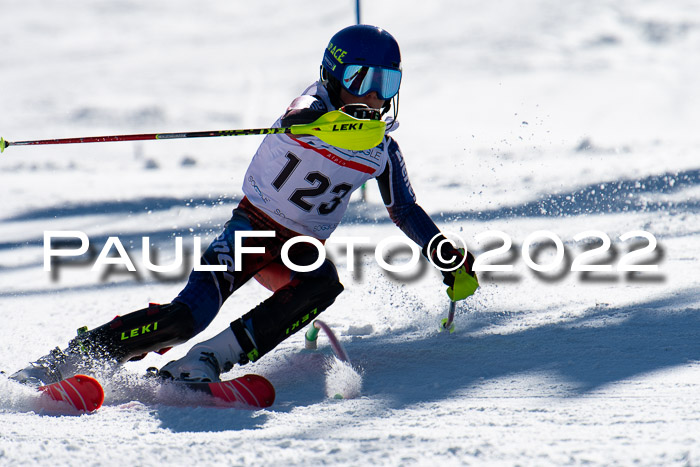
point(83, 393)
point(250, 390)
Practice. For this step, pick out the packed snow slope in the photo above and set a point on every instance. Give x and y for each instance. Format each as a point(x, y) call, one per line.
point(516, 116)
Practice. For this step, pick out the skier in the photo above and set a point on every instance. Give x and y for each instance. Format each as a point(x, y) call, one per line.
point(294, 185)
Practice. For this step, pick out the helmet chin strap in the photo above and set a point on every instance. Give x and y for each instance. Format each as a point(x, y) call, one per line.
point(332, 86)
point(388, 105)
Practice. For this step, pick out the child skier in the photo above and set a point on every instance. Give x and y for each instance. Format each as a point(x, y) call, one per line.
point(295, 185)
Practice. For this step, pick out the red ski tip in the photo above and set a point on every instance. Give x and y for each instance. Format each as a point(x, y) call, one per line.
point(250, 390)
point(82, 392)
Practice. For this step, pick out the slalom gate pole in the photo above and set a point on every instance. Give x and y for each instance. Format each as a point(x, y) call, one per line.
point(312, 337)
point(335, 128)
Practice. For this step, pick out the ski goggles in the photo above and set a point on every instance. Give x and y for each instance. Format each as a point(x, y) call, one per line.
point(358, 80)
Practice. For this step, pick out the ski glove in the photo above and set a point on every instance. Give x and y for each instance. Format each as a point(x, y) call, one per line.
point(461, 281)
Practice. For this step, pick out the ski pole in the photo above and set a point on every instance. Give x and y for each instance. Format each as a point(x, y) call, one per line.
point(448, 323)
point(335, 128)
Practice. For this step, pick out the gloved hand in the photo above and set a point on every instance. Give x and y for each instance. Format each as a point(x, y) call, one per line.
point(461, 281)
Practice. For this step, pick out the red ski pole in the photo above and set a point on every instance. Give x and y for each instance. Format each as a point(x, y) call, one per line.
point(335, 128)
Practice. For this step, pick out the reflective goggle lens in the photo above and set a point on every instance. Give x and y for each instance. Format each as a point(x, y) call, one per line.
point(359, 80)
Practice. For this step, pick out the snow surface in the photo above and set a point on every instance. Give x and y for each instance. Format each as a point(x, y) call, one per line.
point(516, 116)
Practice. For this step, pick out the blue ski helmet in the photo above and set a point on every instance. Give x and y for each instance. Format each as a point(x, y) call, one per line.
point(362, 59)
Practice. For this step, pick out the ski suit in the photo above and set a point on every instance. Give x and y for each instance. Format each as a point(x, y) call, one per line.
point(297, 185)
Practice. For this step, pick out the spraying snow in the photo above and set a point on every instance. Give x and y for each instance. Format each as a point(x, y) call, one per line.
point(342, 380)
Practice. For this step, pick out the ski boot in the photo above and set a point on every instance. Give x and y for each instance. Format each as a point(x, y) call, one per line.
point(207, 360)
point(50, 368)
